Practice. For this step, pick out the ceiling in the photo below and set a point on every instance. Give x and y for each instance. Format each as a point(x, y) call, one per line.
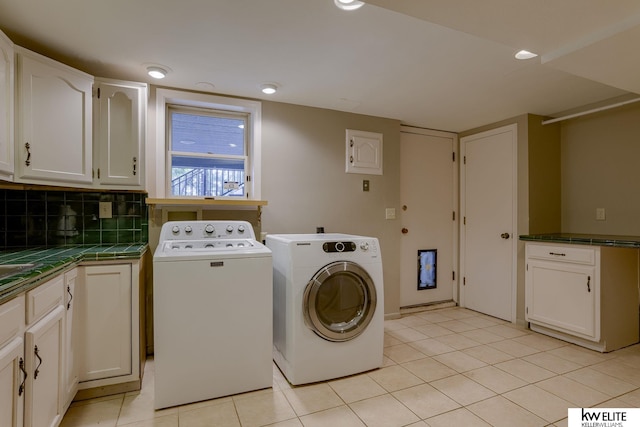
point(440, 64)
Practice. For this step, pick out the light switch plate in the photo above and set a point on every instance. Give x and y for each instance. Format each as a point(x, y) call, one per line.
point(390, 213)
point(600, 214)
point(106, 211)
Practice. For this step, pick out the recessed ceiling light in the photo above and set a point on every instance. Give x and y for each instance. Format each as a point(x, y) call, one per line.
point(525, 54)
point(348, 4)
point(157, 72)
point(269, 88)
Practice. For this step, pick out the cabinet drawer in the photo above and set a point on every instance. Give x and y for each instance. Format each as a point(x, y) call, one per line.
point(581, 255)
point(44, 298)
point(11, 319)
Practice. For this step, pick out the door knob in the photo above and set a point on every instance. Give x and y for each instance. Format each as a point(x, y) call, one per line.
point(505, 235)
point(405, 231)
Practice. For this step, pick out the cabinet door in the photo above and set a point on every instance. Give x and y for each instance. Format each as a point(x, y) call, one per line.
point(6, 107)
point(11, 383)
point(44, 365)
point(119, 120)
point(105, 321)
point(70, 337)
point(563, 296)
point(54, 122)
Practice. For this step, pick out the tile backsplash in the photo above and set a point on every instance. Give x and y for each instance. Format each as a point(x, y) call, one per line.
point(44, 218)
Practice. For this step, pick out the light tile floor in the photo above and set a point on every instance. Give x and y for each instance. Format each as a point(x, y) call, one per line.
point(446, 367)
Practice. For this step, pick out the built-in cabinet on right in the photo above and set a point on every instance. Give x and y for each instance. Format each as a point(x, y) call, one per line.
point(583, 294)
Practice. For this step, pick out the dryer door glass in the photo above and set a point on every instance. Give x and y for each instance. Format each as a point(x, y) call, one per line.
point(339, 301)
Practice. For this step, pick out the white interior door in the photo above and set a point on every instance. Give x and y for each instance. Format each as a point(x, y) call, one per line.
point(488, 205)
point(428, 182)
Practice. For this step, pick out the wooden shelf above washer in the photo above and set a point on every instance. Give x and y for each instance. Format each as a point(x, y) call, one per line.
point(206, 203)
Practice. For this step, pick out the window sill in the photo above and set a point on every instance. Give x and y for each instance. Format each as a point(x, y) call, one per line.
point(206, 203)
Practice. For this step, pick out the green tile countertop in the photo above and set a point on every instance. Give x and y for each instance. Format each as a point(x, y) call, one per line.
point(585, 239)
point(49, 261)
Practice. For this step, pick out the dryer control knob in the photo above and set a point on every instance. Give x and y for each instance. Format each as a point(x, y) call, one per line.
point(188, 229)
point(209, 229)
point(229, 228)
point(175, 229)
point(364, 246)
point(241, 228)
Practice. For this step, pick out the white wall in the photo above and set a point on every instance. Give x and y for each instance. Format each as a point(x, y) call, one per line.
point(600, 155)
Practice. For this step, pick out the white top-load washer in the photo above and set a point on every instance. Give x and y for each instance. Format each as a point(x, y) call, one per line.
point(328, 305)
point(212, 296)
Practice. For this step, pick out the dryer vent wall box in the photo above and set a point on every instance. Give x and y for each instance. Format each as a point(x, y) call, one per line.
point(364, 152)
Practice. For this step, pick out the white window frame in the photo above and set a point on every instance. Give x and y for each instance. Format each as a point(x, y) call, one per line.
point(166, 97)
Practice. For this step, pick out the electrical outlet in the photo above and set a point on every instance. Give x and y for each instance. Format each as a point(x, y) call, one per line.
point(365, 185)
point(600, 214)
point(106, 211)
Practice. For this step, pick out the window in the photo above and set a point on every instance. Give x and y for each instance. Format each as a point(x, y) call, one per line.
point(207, 152)
point(212, 145)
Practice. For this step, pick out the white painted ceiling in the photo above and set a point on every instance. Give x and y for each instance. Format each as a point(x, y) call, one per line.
point(441, 64)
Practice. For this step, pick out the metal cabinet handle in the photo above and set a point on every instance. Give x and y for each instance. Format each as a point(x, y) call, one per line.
point(28, 161)
point(588, 283)
point(24, 378)
point(135, 161)
point(35, 373)
point(70, 297)
point(557, 254)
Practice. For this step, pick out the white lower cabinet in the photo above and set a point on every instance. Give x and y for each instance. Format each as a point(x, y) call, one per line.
point(11, 383)
point(108, 324)
point(78, 332)
point(44, 347)
point(583, 294)
point(12, 369)
point(71, 369)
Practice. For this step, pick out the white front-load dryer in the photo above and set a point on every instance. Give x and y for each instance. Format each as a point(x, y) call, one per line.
point(328, 305)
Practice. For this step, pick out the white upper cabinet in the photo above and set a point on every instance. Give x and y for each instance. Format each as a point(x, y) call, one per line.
point(119, 120)
point(54, 125)
point(6, 107)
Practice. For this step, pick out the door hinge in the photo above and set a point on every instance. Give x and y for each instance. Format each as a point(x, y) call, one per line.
point(453, 155)
point(453, 275)
point(98, 93)
point(464, 220)
point(464, 281)
point(454, 215)
point(248, 178)
point(526, 310)
point(464, 160)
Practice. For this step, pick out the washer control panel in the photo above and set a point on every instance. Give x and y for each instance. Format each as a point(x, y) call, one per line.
point(196, 230)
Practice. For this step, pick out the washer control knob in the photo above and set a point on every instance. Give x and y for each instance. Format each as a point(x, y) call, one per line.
point(209, 229)
point(364, 246)
point(241, 228)
point(175, 229)
point(229, 228)
point(339, 246)
point(188, 229)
